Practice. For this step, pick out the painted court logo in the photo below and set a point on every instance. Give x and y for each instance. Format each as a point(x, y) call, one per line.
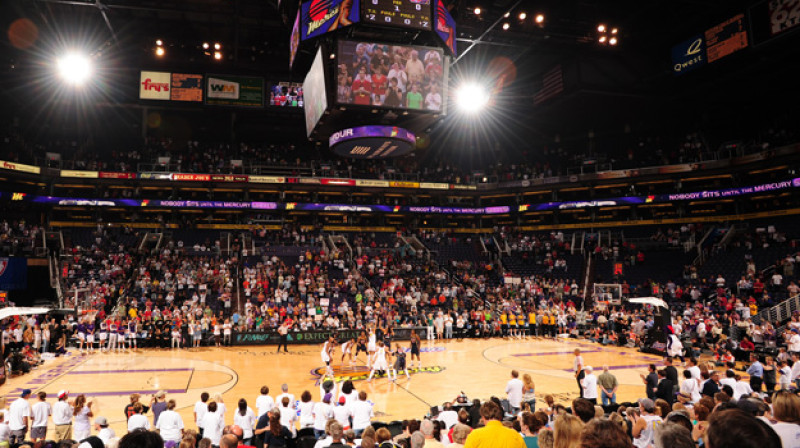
point(361, 373)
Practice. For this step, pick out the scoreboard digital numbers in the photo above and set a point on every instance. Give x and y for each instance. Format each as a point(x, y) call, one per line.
point(402, 13)
point(726, 38)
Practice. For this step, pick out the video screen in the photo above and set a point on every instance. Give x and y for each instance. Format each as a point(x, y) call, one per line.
point(391, 76)
point(286, 94)
point(315, 97)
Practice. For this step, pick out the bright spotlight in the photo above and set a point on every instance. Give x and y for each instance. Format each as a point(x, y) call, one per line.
point(217, 46)
point(471, 98)
point(217, 55)
point(614, 30)
point(602, 39)
point(540, 18)
point(601, 28)
point(506, 26)
point(74, 68)
point(477, 11)
point(160, 51)
point(507, 15)
point(612, 41)
point(205, 45)
point(522, 16)
point(159, 42)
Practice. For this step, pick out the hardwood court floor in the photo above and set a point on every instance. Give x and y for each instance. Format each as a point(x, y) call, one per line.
point(480, 368)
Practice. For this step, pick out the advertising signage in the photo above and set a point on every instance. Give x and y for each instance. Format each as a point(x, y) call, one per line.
point(154, 85)
point(318, 17)
point(229, 90)
point(445, 27)
point(689, 55)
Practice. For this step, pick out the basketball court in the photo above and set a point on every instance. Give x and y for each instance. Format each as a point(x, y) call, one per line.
point(480, 368)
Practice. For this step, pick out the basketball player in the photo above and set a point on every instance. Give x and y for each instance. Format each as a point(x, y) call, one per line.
point(112, 335)
point(371, 346)
point(102, 336)
point(415, 343)
point(133, 333)
point(347, 350)
point(399, 364)
point(90, 336)
point(379, 363)
point(361, 346)
point(327, 355)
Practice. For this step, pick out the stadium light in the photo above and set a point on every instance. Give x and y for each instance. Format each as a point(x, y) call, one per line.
point(217, 55)
point(472, 98)
point(160, 51)
point(506, 26)
point(217, 46)
point(612, 41)
point(601, 28)
point(477, 11)
point(523, 15)
point(205, 45)
point(539, 18)
point(74, 68)
point(159, 42)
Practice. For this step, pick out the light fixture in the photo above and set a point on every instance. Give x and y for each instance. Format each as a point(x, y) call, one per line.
point(507, 15)
point(506, 26)
point(477, 10)
point(612, 41)
point(217, 46)
point(602, 39)
point(205, 45)
point(522, 16)
point(471, 97)
point(159, 42)
point(601, 28)
point(74, 68)
point(614, 30)
point(217, 55)
point(539, 18)
point(160, 51)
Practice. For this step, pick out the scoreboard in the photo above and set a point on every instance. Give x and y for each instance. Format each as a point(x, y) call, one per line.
point(402, 13)
point(726, 38)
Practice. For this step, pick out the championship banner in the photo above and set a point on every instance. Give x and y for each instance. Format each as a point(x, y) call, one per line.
point(13, 273)
point(13, 166)
point(80, 174)
point(315, 336)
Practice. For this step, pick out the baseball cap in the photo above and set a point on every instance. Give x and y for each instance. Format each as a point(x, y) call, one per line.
point(62, 393)
point(342, 400)
point(647, 404)
point(25, 392)
point(102, 421)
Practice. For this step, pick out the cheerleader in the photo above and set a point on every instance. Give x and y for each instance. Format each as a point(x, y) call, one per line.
point(347, 350)
point(122, 334)
point(90, 336)
point(371, 346)
point(327, 354)
point(399, 364)
point(102, 336)
point(379, 363)
point(112, 336)
point(415, 343)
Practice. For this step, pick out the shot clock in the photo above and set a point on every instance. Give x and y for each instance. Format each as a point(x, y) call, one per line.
point(401, 13)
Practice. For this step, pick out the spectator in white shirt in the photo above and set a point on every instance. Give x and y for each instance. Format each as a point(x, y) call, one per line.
point(170, 425)
point(285, 393)
point(41, 411)
point(264, 402)
point(448, 416)
point(742, 388)
point(62, 417)
point(213, 423)
point(245, 418)
point(104, 433)
point(200, 409)
point(514, 391)
point(4, 431)
point(362, 413)
point(138, 420)
point(19, 414)
point(322, 413)
point(342, 413)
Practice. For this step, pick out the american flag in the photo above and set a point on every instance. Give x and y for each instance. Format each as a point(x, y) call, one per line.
point(552, 85)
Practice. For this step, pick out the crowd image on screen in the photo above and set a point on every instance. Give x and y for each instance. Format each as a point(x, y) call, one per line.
point(286, 94)
point(393, 76)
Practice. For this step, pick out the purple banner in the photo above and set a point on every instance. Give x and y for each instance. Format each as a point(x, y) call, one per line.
point(714, 194)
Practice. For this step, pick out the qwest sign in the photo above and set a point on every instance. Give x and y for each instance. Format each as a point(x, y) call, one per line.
point(689, 55)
